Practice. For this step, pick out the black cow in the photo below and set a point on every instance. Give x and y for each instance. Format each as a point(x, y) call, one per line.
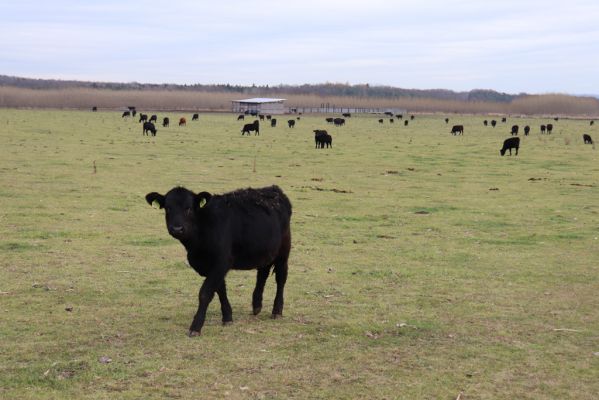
point(149, 127)
point(591, 123)
point(131, 108)
point(133, 112)
point(381, 121)
point(543, 128)
point(405, 123)
point(273, 122)
point(556, 119)
point(143, 117)
point(389, 113)
point(446, 120)
point(399, 116)
point(391, 120)
point(412, 117)
point(509, 144)
point(493, 123)
point(526, 130)
point(245, 229)
point(261, 117)
point(587, 139)
point(268, 117)
point(291, 123)
point(457, 130)
point(339, 121)
point(195, 117)
point(126, 114)
point(253, 113)
point(346, 115)
point(255, 127)
point(329, 120)
point(94, 109)
point(240, 117)
point(549, 128)
point(504, 119)
point(485, 122)
point(154, 118)
point(322, 139)
point(165, 122)
point(515, 130)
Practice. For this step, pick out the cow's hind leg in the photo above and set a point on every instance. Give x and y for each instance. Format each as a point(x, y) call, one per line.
point(225, 306)
point(261, 278)
point(281, 275)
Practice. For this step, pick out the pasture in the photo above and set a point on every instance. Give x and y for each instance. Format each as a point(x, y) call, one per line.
point(423, 265)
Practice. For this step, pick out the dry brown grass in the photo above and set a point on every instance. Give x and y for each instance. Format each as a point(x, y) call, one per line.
point(551, 104)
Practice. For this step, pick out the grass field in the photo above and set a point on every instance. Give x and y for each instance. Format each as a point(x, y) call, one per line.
point(424, 265)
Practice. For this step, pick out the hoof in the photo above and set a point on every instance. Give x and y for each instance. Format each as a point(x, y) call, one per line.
point(276, 316)
point(225, 323)
point(257, 310)
point(193, 333)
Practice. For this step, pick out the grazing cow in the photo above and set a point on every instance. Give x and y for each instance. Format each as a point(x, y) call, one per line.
point(268, 117)
point(515, 130)
point(509, 144)
point(195, 117)
point(291, 123)
point(94, 109)
point(412, 117)
point(149, 127)
point(339, 121)
point(526, 130)
point(591, 123)
point(446, 120)
point(133, 113)
point(143, 117)
point(254, 126)
point(457, 130)
point(154, 118)
point(493, 123)
point(389, 113)
point(329, 120)
point(549, 128)
point(182, 121)
point(391, 120)
point(348, 115)
point(245, 229)
point(240, 117)
point(165, 122)
point(261, 117)
point(587, 139)
point(485, 122)
point(504, 119)
point(298, 118)
point(399, 116)
point(380, 121)
point(405, 123)
point(273, 122)
point(126, 114)
point(543, 128)
point(556, 119)
point(322, 139)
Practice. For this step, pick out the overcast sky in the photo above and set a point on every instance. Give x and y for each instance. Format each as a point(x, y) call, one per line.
point(512, 46)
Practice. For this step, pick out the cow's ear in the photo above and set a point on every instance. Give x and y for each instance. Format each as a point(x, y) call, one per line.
point(202, 199)
point(155, 199)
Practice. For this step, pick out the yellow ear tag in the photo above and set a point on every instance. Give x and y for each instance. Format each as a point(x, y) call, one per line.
point(155, 204)
point(202, 202)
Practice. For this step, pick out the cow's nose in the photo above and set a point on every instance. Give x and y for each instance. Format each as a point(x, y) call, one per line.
point(177, 229)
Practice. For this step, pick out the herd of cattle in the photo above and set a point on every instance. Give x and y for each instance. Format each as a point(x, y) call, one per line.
point(324, 140)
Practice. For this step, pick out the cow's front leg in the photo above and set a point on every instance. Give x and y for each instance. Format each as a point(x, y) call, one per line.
point(211, 284)
point(225, 306)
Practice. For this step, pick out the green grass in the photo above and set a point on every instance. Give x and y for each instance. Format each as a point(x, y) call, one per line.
point(409, 278)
